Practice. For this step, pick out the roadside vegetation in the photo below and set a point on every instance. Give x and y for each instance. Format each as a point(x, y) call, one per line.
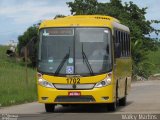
point(154, 60)
point(14, 88)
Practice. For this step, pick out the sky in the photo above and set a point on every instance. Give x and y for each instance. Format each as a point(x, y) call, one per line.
point(17, 15)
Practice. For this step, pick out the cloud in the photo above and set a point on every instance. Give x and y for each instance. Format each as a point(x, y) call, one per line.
point(33, 11)
point(153, 10)
point(152, 5)
point(25, 11)
point(17, 15)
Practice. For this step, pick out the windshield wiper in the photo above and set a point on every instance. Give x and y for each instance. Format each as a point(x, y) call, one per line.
point(62, 63)
point(87, 62)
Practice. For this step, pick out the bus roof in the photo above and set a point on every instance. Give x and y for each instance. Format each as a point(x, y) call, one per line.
point(84, 20)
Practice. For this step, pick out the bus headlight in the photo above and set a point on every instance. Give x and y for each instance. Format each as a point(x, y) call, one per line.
point(103, 83)
point(45, 83)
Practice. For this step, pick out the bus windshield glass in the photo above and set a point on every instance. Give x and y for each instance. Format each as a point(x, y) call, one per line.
point(75, 51)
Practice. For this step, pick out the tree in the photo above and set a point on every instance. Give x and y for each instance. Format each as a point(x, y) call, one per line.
point(82, 7)
point(133, 17)
point(59, 16)
point(29, 39)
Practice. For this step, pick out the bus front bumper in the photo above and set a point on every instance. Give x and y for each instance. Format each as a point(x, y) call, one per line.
point(93, 96)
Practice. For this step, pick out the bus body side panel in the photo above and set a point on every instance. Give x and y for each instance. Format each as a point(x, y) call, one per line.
point(123, 75)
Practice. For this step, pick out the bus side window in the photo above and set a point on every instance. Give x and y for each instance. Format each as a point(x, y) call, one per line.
point(125, 44)
point(119, 37)
point(121, 42)
point(129, 43)
point(117, 47)
point(128, 38)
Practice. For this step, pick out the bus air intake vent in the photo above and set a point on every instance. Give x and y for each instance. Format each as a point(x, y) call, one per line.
point(74, 86)
point(74, 99)
point(104, 18)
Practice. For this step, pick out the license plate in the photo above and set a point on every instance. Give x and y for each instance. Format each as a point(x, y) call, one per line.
point(74, 93)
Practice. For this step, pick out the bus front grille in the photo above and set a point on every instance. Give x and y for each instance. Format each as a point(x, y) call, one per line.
point(74, 99)
point(74, 86)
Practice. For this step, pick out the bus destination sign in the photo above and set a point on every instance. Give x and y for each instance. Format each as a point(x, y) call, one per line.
point(60, 32)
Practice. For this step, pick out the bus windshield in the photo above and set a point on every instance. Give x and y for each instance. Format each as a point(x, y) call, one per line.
point(75, 51)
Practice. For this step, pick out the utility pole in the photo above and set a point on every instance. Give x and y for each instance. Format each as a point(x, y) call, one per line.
point(26, 53)
point(26, 66)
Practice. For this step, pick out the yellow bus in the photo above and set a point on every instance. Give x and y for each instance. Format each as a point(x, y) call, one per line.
point(84, 59)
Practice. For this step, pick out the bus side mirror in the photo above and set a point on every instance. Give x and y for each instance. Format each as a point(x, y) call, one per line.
point(117, 51)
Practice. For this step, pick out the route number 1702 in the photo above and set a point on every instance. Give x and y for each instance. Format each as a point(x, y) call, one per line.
point(73, 80)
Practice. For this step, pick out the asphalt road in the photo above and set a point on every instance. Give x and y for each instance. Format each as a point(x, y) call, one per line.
point(143, 104)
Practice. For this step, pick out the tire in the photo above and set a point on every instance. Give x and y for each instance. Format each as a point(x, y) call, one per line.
point(103, 107)
point(66, 105)
point(112, 107)
point(123, 101)
point(49, 107)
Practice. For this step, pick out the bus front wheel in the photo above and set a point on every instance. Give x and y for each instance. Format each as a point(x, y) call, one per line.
point(112, 106)
point(49, 107)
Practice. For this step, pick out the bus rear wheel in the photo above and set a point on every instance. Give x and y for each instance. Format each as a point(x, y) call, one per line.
point(123, 101)
point(49, 107)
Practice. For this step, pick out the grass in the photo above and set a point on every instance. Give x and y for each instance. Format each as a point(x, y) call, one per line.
point(154, 59)
point(13, 85)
